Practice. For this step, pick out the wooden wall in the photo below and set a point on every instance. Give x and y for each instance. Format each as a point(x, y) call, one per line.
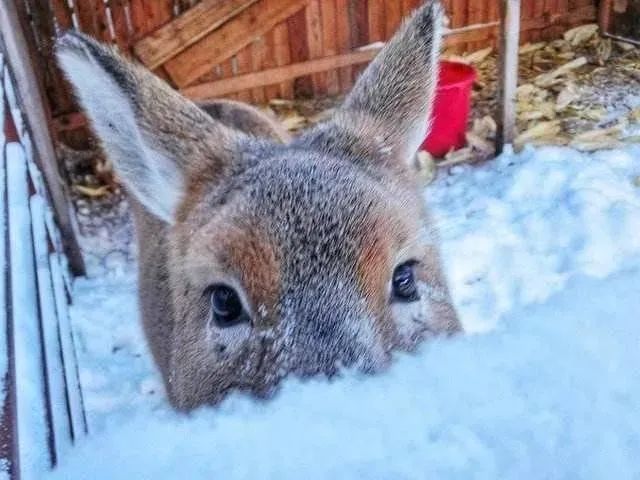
point(258, 50)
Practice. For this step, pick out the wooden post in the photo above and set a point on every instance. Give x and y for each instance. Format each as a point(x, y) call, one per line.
point(508, 73)
point(21, 61)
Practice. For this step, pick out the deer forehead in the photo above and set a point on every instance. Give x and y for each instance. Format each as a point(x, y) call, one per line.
point(287, 227)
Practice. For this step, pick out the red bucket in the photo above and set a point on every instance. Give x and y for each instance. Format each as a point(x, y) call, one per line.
point(451, 108)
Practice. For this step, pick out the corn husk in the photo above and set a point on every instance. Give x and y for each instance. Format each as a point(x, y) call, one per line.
point(455, 157)
point(538, 132)
point(549, 78)
point(531, 47)
point(293, 121)
point(579, 35)
point(426, 166)
point(634, 115)
point(92, 192)
point(478, 56)
point(604, 49)
point(485, 127)
point(567, 95)
point(483, 146)
point(625, 46)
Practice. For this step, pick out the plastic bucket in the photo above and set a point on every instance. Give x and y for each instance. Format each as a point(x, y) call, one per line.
point(451, 108)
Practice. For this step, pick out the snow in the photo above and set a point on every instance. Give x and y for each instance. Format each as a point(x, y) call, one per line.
point(32, 438)
point(543, 252)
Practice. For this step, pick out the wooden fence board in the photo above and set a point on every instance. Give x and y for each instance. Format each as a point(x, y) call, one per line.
point(297, 26)
point(54, 372)
point(68, 344)
point(147, 16)
point(223, 43)
point(283, 56)
point(314, 40)
point(8, 426)
point(275, 75)
point(343, 41)
point(187, 29)
point(329, 42)
point(257, 57)
point(33, 414)
point(35, 109)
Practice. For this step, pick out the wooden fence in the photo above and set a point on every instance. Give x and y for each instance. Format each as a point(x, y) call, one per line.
point(257, 50)
point(41, 408)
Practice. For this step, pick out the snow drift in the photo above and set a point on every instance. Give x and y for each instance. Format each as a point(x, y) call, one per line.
point(543, 252)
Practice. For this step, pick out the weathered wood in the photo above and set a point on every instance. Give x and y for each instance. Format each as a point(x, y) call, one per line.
point(269, 61)
point(359, 26)
point(33, 103)
point(223, 43)
point(276, 75)
point(35, 445)
point(299, 50)
point(329, 42)
point(62, 13)
point(393, 17)
point(69, 360)
point(8, 410)
point(314, 40)
point(257, 57)
point(121, 26)
point(187, 29)
point(146, 16)
point(243, 65)
point(508, 72)
point(343, 39)
point(54, 373)
point(283, 56)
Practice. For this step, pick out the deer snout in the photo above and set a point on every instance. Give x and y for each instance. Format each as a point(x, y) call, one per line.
point(327, 337)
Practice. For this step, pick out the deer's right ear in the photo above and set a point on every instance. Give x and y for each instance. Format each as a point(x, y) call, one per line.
point(151, 133)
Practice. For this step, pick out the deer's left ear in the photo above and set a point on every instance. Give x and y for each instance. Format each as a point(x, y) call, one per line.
point(153, 135)
point(386, 115)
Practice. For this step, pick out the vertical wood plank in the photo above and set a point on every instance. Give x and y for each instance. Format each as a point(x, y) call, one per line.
point(476, 12)
point(8, 414)
point(329, 41)
point(243, 65)
point(508, 73)
point(68, 344)
point(299, 48)
point(283, 56)
point(459, 19)
point(34, 441)
point(257, 59)
point(54, 373)
point(147, 15)
point(376, 20)
point(314, 40)
point(393, 17)
point(121, 26)
point(62, 13)
point(359, 19)
point(269, 61)
point(18, 51)
point(343, 37)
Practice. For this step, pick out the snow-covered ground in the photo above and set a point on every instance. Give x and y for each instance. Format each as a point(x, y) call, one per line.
point(543, 252)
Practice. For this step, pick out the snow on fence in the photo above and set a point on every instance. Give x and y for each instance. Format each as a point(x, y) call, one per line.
point(40, 399)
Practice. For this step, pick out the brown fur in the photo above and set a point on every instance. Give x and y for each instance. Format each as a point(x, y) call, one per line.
point(308, 231)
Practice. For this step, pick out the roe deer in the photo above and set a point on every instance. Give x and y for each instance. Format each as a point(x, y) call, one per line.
point(261, 256)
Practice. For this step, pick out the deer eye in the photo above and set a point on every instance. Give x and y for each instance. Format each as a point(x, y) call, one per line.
point(226, 306)
point(404, 283)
